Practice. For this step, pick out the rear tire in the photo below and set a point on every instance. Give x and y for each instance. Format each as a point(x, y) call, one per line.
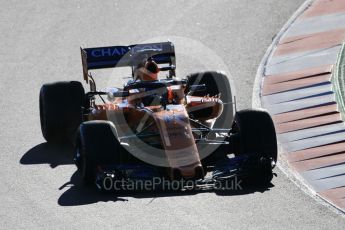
point(255, 136)
point(61, 110)
point(97, 145)
point(216, 83)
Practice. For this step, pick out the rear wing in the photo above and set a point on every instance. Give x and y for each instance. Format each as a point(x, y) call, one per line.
point(121, 56)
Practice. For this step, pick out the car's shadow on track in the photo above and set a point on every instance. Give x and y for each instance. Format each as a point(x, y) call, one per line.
point(52, 154)
point(76, 194)
point(79, 194)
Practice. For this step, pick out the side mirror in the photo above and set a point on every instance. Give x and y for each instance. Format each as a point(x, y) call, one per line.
point(197, 88)
point(116, 92)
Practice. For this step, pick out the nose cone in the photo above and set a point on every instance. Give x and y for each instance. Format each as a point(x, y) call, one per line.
point(194, 172)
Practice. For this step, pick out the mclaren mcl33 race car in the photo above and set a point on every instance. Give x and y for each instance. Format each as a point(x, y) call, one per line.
point(157, 127)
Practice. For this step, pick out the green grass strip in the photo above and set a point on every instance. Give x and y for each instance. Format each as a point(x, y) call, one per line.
point(338, 80)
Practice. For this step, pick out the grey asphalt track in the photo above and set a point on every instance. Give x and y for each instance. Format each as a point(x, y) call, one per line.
point(40, 43)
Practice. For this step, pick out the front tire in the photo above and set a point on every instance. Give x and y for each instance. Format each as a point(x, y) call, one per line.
point(255, 136)
point(97, 145)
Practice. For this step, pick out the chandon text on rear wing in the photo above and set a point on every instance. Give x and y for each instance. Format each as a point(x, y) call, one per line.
point(120, 56)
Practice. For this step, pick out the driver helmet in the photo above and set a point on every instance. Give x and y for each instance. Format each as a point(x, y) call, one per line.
point(148, 71)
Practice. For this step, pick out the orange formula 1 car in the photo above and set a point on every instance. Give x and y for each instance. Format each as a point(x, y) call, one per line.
point(157, 128)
